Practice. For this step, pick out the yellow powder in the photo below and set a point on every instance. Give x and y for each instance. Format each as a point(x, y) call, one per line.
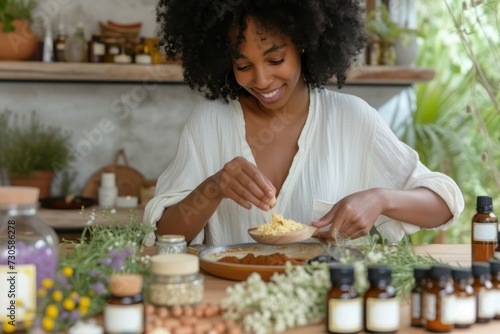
point(279, 225)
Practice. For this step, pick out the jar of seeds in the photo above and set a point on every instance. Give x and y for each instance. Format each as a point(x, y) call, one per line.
point(175, 280)
point(170, 244)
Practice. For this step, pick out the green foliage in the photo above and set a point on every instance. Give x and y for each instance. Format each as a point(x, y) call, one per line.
point(27, 145)
point(11, 10)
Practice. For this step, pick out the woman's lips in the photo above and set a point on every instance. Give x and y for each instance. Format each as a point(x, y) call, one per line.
point(271, 96)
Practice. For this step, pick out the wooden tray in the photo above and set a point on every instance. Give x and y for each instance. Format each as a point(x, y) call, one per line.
point(128, 179)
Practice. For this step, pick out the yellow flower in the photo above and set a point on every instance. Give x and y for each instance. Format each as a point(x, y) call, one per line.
point(19, 303)
point(83, 309)
point(27, 323)
point(57, 295)
point(85, 301)
point(69, 304)
point(52, 311)
point(67, 271)
point(7, 327)
point(47, 283)
point(42, 293)
point(73, 294)
point(48, 324)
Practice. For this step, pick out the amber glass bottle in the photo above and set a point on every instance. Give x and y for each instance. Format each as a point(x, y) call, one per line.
point(380, 301)
point(465, 303)
point(483, 289)
point(439, 296)
point(344, 305)
point(420, 274)
point(495, 280)
point(497, 250)
point(484, 230)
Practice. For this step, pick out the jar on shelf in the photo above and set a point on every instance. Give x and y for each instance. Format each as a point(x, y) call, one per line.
point(175, 281)
point(170, 244)
point(29, 250)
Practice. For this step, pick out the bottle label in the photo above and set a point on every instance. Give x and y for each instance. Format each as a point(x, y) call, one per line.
point(497, 299)
point(345, 315)
point(448, 309)
point(497, 255)
point(60, 47)
point(18, 292)
point(485, 231)
point(124, 318)
point(99, 49)
point(429, 307)
point(486, 303)
point(416, 302)
point(465, 308)
point(382, 315)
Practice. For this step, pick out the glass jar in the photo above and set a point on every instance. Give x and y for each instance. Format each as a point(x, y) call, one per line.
point(28, 252)
point(175, 280)
point(170, 244)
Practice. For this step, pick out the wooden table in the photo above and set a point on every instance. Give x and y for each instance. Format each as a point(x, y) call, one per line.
point(452, 254)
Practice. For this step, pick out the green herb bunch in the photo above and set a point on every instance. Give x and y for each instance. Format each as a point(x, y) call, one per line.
point(26, 145)
point(11, 10)
point(80, 287)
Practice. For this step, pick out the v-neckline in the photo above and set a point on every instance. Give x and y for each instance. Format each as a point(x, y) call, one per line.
point(298, 158)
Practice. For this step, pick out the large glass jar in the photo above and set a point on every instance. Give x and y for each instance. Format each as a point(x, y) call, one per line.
point(170, 244)
point(175, 280)
point(28, 254)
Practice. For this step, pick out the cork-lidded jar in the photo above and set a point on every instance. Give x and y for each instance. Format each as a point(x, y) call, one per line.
point(175, 280)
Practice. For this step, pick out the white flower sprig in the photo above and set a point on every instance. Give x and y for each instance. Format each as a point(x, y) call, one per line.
point(294, 298)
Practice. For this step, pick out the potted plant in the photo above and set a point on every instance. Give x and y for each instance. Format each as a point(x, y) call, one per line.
point(17, 40)
point(32, 152)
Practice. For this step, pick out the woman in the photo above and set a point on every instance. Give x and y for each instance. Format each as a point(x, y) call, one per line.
point(268, 135)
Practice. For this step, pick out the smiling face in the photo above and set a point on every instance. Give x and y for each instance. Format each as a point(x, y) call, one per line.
point(268, 66)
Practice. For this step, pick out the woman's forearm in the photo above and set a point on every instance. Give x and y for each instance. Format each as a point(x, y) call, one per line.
point(189, 216)
point(420, 206)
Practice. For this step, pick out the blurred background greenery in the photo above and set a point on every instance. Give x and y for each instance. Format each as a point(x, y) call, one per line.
point(455, 123)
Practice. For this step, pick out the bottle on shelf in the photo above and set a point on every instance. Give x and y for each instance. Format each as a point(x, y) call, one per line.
point(60, 44)
point(344, 304)
point(48, 44)
point(497, 249)
point(483, 289)
point(29, 251)
point(96, 49)
point(420, 274)
point(439, 298)
point(495, 280)
point(484, 230)
point(76, 47)
point(143, 56)
point(465, 303)
point(381, 306)
point(122, 57)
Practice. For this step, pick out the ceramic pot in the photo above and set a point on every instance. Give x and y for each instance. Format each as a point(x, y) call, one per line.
point(38, 179)
point(19, 44)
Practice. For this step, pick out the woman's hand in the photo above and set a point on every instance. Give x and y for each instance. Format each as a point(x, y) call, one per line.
point(245, 184)
point(353, 216)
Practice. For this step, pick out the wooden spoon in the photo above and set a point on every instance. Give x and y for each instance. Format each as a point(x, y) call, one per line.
point(306, 232)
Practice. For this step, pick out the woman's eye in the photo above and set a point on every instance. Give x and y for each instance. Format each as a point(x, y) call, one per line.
point(276, 62)
point(242, 68)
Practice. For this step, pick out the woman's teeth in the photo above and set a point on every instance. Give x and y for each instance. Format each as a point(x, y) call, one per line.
point(267, 96)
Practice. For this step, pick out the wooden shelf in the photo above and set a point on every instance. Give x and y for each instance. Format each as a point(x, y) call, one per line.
point(172, 73)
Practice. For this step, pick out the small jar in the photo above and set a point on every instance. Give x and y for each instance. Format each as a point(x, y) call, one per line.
point(175, 280)
point(495, 280)
point(170, 244)
point(420, 274)
point(439, 300)
point(465, 302)
point(483, 289)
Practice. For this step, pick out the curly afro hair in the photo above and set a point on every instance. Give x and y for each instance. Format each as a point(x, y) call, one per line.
point(199, 33)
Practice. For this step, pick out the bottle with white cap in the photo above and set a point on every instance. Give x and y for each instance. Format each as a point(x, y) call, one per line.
point(108, 190)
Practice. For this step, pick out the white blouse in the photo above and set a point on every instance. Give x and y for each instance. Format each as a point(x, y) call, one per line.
point(344, 147)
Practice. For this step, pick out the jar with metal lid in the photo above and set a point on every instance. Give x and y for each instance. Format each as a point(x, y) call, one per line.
point(170, 244)
point(175, 280)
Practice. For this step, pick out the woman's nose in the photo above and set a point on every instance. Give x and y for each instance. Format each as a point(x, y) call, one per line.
point(262, 78)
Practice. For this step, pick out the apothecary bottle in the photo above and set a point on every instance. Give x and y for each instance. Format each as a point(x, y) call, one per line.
point(484, 230)
point(29, 250)
point(108, 191)
point(381, 306)
point(495, 280)
point(170, 244)
point(465, 302)
point(420, 275)
point(497, 249)
point(344, 305)
point(76, 47)
point(124, 308)
point(175, 280)
point(439, 298)
point(483, 289)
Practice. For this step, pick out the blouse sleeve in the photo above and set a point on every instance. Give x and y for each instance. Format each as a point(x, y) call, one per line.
point(395, 165)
